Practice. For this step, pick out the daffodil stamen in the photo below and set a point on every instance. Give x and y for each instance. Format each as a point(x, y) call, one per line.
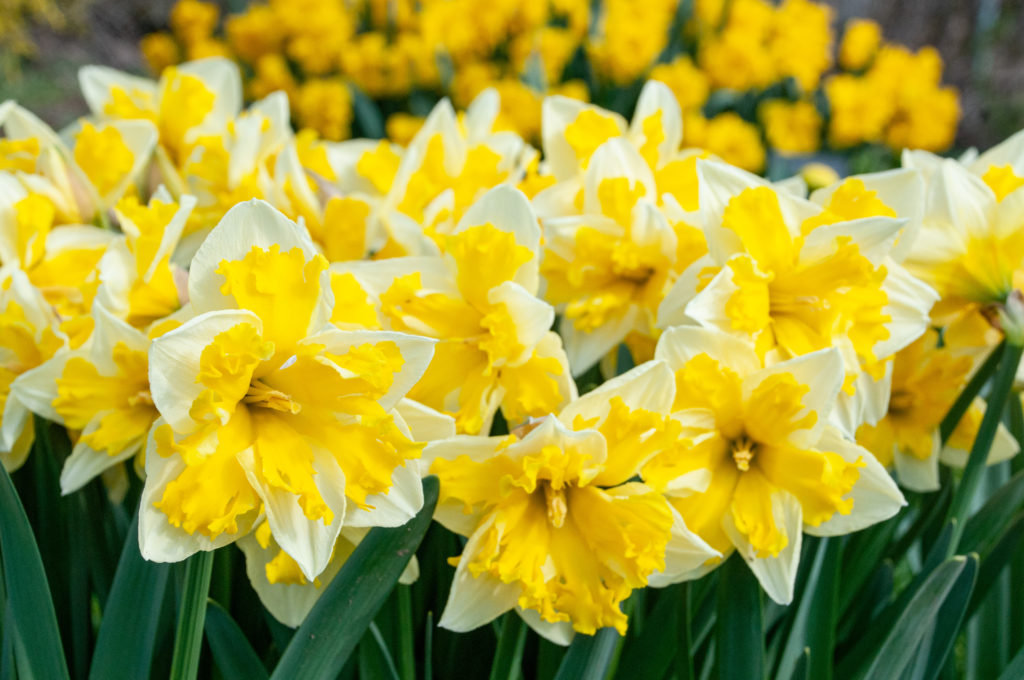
point(743, 451)
point(554, 498)
point(263, 395)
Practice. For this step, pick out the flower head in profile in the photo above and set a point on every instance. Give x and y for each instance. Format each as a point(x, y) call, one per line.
point(268, 410)
point(757, 464)
point(557, 526)
point(101, 390)
point(495, 348)
point(926, 379)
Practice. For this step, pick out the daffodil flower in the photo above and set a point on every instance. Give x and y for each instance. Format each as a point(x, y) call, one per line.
point(102, 390)
point(268, 410)
point(793, 278)
point(609, 266)
point(140, 282)
point(757, 463)
point(926, 380)
point(61, 261)
point(29, 335)
point(450, 163)
point(557, 526)
point(495, 347)
point(188, 102)
point(971, 247)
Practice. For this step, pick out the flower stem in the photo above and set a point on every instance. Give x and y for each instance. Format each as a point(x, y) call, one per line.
point(971, 390)
point(188, 640)
point(1001, 389)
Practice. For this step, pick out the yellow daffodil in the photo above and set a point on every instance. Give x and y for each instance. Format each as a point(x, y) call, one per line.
point(794, 278)
point(971, 247)
point(757, 464)
point(189, 101)
point(266, 409)
point(29, 335)
point(452, 161)
point(495, 347)
point(608, 268)
point(102, 390)
point(141, 284)
point(926, 379)
point(557, 527)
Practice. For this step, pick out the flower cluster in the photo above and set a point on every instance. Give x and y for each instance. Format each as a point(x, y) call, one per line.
point(750, 76)
point(283, 334)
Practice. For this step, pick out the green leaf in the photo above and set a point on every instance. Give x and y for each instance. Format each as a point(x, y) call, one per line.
point(232, 653)
point(650, 655)
point(511, 642)
point(589, 656)
point(995, 559)
point(740, 634)
point(1015, 670)
point(188, 639)
point(1002, 387)
point(951, 617)
point(375, 662)
point(36, 638)
point(970, 391)
point(989, 522)
point(901, 643)
point(814, 626)
point(407, 650)
point(321, 647)
point(367, 114)
point(127, 635)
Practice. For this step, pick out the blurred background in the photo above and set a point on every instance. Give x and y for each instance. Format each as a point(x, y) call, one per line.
point(43, 43)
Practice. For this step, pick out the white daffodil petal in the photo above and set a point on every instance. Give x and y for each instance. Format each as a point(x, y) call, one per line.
point(400, 504)
point(686, 555)
point(777, 575)
point(650, 386)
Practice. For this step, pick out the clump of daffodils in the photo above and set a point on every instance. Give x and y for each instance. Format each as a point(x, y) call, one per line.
point(279, 335)
point(748, 75)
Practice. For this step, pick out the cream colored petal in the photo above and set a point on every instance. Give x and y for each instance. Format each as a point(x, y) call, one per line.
point(585, 349)
point(686, 555)
point(508, 209)
point(475, 600)
point(532, 317)
point(416, 354)
point(557, 113)
point(678, 345)
point(35, 389)
point(915, 474)
point(97, 82)
point(174, 363)
point(425, 424)
point(400, 504)
point(557, 632)
point(657, 97)
point(649, 386)
point(86, 463)
point(875, 495)
point(308, 542)
point(777, 575)
point(614, 159)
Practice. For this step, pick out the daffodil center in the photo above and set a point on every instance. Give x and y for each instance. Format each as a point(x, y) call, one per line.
point(141, 398)
point(263, 395)
point(901, 401)
point(554, 499)
point(743, 450)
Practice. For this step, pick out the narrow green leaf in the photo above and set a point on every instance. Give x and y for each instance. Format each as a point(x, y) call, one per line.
point(36, 639)
point(321, 647)
point(950, 618)
point(740, 634)
point(188, 639)
point(814, 626)
point(407, 649)
point(511, 642)
point(862, 558)
point(650, 655)
point(589, 656)
point(684, 653)
point(232, 653)
point(127, 635)
point(1015, 670)
point(995, 559)
point(970, 391)
point(989, 522)
point(428, 648)
point(900, 645)
point(1002, 386)
point(375, 662)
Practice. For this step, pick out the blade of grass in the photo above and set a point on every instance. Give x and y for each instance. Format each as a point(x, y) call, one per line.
point(740, 634)
point(589, 656)
point(511, 642)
